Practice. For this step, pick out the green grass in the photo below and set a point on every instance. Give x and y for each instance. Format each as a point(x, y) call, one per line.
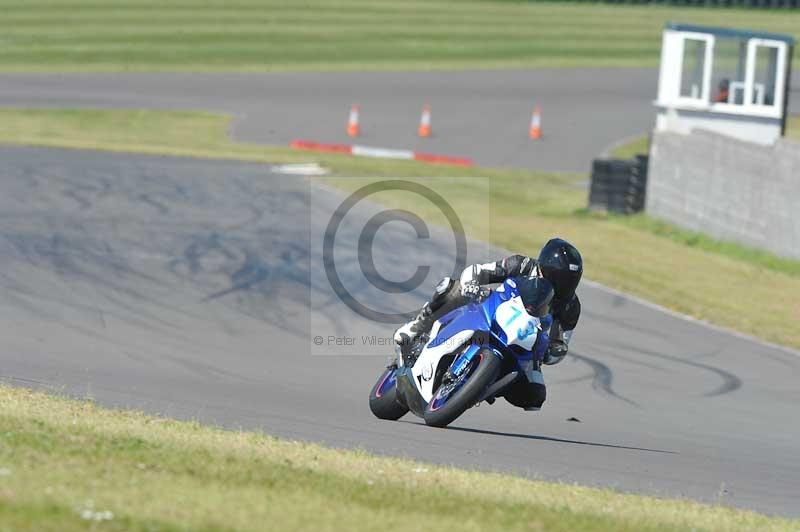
point(631, 148)
point(259, 35)
point(793, 128)
point(703, 242)
point(729, 285)
point(70, 465)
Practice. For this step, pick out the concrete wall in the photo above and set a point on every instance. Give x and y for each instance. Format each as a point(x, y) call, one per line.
point(727, 188)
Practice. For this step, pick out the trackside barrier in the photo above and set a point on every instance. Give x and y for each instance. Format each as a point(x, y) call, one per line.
point(618, 185)
point(383, 153)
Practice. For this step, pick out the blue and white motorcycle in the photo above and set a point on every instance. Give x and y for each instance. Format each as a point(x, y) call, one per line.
point(472, 354)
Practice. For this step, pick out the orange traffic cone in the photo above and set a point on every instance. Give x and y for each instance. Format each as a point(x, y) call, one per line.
point(425, 122)
point(353, 129)
point(535, 131)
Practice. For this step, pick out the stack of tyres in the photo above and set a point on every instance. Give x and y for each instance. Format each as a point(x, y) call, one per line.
point(618, 186)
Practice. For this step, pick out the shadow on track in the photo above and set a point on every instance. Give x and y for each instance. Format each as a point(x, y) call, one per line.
point(546, 438)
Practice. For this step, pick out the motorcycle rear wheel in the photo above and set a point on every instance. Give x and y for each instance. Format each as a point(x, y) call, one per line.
point(441, 411)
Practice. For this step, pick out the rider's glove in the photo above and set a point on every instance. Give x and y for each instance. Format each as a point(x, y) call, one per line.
point(470, 290)
point(555, 352)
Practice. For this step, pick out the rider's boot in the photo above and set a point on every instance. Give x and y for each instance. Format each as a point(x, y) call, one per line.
point(411, 330)
point(446, 291)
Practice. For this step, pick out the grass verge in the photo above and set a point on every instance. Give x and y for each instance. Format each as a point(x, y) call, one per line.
point(630, 148)
point(259, 35)
point(70, 465)
point(750, 291)
point(793, 127)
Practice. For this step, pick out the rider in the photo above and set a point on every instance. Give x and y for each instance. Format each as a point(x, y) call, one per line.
point(559, 262)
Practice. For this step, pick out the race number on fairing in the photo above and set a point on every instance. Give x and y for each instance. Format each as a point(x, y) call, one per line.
point(520, 327)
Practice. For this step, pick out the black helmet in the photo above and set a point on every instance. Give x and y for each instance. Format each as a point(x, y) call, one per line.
point(561, 264)
point(536, 294)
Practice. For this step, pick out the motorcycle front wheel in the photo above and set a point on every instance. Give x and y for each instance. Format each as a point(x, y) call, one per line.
point(454, 397)
point(383, 398)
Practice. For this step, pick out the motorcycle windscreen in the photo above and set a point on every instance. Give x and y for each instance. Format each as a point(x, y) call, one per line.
point(537, 295)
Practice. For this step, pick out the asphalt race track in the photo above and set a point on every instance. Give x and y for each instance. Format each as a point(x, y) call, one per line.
point(479, 114)
point(188, 288)
point(482, 114)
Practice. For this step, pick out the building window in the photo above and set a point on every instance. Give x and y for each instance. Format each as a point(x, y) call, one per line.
point(766, 58)
point(730, 70)
point(693, 69)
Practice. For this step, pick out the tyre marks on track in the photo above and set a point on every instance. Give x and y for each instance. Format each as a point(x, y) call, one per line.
point(602, 378)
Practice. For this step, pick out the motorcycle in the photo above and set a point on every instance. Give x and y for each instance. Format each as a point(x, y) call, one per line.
point(471, 354)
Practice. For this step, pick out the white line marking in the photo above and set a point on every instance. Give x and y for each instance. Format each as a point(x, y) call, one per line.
point(366, 151)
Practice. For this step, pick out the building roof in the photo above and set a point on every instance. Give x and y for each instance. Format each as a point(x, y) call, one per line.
point(729, 32)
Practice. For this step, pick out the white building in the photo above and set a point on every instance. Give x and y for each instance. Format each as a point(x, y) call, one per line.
point(731, 82)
